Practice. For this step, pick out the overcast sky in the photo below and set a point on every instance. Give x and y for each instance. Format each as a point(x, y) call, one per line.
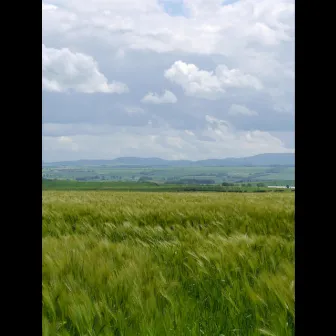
point(176, 79)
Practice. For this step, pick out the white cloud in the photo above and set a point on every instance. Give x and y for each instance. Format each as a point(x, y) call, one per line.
point(167, 97)
point(48, 7)
point(63, 70)
point(209, 28)
point(244, 142)
point(132, 110)
point(64, 139)
point(61, 144)
point(209, 84)
point(241, 51)
point(189, 132)
point(241, 110)
point(222, 140)
point(65, 132)
point(256, 36)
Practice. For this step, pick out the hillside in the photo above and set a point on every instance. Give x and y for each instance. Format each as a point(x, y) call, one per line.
point(269, 159)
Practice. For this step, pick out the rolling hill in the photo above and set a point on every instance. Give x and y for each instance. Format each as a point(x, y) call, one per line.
point(269, 159)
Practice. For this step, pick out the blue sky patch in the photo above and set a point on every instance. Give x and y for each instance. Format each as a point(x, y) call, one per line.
point(173, 7)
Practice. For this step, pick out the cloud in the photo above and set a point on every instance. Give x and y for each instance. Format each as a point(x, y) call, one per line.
point(48, 7)
point(134, 110)
point(234, 52)
point(63, 70)
point(209, 84)
point(189, 132)
point(166, 98)
point(218, 139)
point(241, 110)
point(205, 26)
point(64, 132)
point(61, 144)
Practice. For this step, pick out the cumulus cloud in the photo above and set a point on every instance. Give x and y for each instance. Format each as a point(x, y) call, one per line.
point(63, 70)
point(236, 109)
point(226, 52)
point(209, 84)
point(207, 27)
point(167, 97)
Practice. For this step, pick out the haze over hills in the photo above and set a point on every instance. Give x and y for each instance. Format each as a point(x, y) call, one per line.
point(267, 159)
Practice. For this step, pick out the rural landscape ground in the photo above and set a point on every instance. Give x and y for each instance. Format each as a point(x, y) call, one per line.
point(159, 263)
point(168, 168)
point(269, 168)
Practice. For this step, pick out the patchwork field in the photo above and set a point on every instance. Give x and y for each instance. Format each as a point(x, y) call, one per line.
point(171, 174)
point(128, 263)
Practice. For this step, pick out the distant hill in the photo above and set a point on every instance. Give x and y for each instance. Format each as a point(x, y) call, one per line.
point(271, 159)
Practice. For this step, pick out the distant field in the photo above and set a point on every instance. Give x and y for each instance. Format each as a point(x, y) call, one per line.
point(147, 186)
point(167, 263)
point(170, 174)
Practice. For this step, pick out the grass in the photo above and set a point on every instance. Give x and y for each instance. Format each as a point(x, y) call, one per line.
point(167, 263)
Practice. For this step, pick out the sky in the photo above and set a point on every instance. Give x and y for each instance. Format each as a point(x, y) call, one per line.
point(175, 79)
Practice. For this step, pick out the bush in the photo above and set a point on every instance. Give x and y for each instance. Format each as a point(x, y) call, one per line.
point(227, 184)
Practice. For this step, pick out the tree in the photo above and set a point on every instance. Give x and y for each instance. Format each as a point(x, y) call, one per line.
point(227, 184)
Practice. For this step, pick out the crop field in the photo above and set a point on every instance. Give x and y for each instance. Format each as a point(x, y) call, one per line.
point(142, 263)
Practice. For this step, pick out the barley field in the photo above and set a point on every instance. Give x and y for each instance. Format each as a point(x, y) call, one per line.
point(128, 263)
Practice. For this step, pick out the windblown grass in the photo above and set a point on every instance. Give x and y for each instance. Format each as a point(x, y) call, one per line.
point(168, 264)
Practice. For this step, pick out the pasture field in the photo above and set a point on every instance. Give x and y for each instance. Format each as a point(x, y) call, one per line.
point(141, 263)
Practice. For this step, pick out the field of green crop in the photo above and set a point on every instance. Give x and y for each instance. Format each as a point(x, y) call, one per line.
point(127, 263)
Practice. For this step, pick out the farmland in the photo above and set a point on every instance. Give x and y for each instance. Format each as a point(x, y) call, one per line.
point(145, 263)
point(66, 185)
point(170, 174)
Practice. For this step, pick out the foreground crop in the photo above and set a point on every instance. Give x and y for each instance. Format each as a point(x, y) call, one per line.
point(168, 264)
